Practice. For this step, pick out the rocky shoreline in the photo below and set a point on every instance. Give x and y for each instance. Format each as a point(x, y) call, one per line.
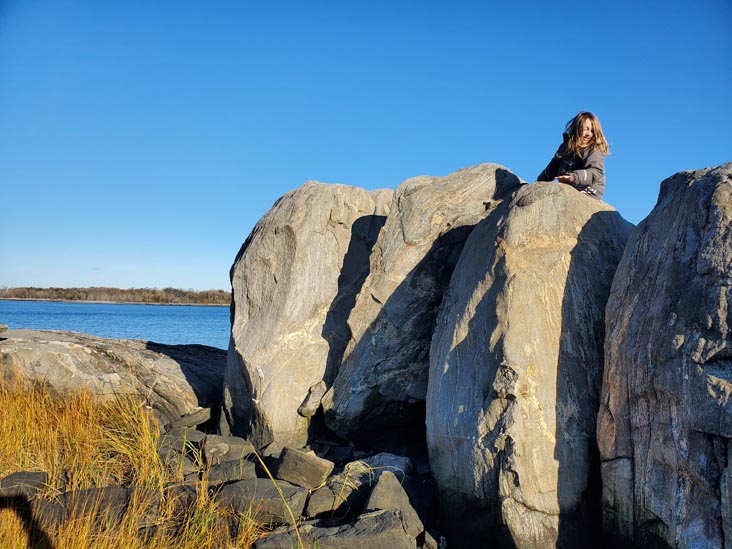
point(424, 368)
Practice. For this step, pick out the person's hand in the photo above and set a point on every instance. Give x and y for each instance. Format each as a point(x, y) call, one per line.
point(564, 178)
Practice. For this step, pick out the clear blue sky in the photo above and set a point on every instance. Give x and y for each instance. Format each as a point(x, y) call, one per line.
point(141, 141)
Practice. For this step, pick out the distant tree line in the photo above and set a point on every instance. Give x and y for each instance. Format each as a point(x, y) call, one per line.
point(173, 296)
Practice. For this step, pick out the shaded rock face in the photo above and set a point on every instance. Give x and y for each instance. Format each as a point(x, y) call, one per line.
point(665, 422)
point(515, 372)
point(294, 283)
point(381, 385)
point(182, 383)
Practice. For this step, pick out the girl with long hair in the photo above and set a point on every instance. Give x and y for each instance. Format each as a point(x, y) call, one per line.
point(580, 159)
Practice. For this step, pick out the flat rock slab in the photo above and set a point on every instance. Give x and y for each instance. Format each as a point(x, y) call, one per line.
point(377, 530)
point(303, 468)
point(177, 381)
point(228, 471)
point(217, 448)
point(24, 483)
point(262, 497)
point(106, 505)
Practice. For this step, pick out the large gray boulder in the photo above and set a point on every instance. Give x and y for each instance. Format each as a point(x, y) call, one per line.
point(182, 383)
point(515, 372)
point(665, 423)
point(294, 282)
point(381, 385)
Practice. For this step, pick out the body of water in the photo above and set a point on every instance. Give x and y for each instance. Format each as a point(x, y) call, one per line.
point(172, 324)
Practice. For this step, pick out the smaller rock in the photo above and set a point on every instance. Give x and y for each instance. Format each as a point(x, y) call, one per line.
point(106, 505)
point(180, 449)
point(49, 515)
point(262, 497)
point(303, 468)
point(389, 494)
point(217, 448)
point(312, 402)
point(182, 495)
point(3, 328)
point(23, 483)
point(192, 418)
point(377, 530)
point(228, 471)
point(181, 440)
point(344, 494)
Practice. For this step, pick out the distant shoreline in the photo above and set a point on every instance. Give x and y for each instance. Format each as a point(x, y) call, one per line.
point(114, 302)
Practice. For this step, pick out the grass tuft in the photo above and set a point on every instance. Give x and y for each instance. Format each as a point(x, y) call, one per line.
point(82, 442)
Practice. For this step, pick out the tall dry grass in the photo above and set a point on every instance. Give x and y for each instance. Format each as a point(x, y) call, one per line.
point(82, 442)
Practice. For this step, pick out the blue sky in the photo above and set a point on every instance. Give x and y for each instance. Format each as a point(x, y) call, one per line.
point(141, 141)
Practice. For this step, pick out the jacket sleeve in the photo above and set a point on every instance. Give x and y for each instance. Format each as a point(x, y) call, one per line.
point(551, 170)
point(593, 170)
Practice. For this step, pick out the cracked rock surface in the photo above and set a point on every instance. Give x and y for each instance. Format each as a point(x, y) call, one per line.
point(665, 419)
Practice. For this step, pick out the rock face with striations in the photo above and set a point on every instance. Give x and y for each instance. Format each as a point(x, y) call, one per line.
point(665, 423)
point(294, 282)
point(180, 382)
point(381, 385)
point(515, 371)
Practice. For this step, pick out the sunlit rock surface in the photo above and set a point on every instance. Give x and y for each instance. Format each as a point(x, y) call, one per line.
point(515, 372)
point(665, 422)
point(181, 383)
point(381, 385)
point(294, 283)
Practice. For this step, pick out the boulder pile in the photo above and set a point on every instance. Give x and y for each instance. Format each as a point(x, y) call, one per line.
point(365, 502)
point(424, 368)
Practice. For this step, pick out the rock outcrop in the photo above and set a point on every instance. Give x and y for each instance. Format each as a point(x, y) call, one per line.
point(515, 371)
point(474, 305)
point(294, 283)
point(380, 388)
point(665, 423)
point(182, 383)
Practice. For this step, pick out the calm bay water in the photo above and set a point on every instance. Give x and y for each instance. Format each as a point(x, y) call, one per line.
point(172, 324)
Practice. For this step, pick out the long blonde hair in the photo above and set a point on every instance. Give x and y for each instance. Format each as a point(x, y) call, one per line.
point(574, 134)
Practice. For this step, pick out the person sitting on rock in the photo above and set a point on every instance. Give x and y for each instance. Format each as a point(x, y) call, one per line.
point(580, 159)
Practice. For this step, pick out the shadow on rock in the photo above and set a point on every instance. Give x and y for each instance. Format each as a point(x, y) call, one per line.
point(579, 381)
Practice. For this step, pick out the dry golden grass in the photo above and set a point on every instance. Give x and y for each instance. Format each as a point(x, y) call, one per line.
point(82, 442)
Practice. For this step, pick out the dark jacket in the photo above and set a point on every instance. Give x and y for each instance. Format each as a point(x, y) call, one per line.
point(587, 171)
